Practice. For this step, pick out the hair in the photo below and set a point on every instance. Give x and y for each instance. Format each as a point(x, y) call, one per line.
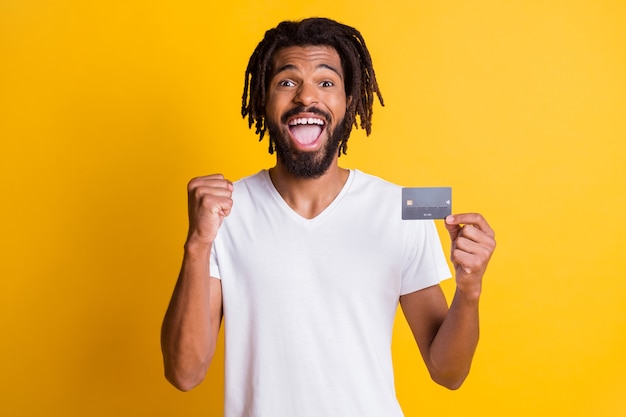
point(359, 78)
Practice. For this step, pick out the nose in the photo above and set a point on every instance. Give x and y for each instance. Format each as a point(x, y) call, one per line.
point(306, 95)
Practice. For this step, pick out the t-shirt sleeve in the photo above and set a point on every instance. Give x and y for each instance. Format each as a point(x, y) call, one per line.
point(425, 262)
point(214, 268)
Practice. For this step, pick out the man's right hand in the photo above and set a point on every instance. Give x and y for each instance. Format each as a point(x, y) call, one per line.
point(209, 201)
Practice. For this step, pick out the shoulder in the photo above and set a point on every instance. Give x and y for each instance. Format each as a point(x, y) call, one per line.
point(364, 178)
point(251, 191)
point(252, 184)
point(383, 201)
point(254, 180)
point(374, 187)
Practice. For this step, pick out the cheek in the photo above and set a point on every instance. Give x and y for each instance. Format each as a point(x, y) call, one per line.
point(270, 109)
point(275, 105)
point(337, 105)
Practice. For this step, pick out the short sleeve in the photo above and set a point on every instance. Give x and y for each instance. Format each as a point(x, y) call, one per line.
point(425, 264)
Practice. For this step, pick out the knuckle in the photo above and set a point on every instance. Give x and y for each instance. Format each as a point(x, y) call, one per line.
point(192, 184)
point(205, 200)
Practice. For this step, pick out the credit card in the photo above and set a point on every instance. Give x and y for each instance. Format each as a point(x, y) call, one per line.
point(425, 203)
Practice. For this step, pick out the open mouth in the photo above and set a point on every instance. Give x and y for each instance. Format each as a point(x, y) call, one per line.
point(306, 130)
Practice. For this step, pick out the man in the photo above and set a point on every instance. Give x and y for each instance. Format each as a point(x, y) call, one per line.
point(307, 261)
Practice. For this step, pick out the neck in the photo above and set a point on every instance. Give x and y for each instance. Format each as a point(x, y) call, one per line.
point(309, 197)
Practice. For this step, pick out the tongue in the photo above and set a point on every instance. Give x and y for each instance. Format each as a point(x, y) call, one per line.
point(306, 134)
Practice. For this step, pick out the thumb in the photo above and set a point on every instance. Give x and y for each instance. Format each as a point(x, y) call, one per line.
point(453, 228)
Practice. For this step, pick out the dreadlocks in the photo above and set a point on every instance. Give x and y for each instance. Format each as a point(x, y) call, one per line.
point(360, 80)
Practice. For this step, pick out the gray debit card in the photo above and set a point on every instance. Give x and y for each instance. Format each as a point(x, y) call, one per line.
point(422, 203)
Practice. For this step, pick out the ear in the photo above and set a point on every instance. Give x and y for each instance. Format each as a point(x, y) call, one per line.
point(348, 101)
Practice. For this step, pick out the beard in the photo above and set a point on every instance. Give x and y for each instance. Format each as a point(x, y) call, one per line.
point(307, 165)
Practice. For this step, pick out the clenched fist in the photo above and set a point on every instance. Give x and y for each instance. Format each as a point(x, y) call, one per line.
point(210, 200)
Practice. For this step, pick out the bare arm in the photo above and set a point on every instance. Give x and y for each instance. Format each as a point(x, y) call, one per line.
point(192, 321)
point(447, 337)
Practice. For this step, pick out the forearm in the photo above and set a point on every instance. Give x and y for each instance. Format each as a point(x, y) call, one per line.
point(189, 332)
point(453, 347)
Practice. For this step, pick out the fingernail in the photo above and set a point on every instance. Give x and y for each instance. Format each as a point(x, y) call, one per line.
point(449, 219)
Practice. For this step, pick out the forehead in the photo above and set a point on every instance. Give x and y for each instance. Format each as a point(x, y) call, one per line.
point(311, 56)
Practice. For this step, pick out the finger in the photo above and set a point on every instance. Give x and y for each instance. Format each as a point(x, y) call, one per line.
point(484, 241)
point(472, 255)
point(217, 203)
point(471, 261)
point(475, 219)
point(465, 261)
point(471, 232)
point(210, 195)
point(473, 247)
point(215, 181)
point(202, 186)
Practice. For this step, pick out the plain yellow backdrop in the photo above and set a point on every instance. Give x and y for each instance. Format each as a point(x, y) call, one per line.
point(107, 108)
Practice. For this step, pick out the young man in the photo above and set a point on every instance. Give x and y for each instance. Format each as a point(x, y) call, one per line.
point(308, 261)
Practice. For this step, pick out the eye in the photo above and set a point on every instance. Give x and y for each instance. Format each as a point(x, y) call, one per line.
point(286, 83)
point(327, 84)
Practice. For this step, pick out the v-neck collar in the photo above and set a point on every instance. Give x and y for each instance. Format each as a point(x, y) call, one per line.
point(286, 208)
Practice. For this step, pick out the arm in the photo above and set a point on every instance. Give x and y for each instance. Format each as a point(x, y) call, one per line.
point(447, 337)
point(192, 321)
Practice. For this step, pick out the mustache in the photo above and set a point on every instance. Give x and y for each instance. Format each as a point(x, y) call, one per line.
point(301, 109)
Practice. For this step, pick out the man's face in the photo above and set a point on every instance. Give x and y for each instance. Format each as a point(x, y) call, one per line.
point(305, 108)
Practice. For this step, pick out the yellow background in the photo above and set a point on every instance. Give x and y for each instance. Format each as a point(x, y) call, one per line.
point(107, 108)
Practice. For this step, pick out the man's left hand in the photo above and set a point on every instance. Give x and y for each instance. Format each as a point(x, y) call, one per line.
point(473, 242)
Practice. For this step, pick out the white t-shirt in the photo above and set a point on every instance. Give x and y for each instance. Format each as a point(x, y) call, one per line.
point(309, 304)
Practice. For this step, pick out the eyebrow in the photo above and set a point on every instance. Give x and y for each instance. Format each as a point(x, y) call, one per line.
point(289, 67)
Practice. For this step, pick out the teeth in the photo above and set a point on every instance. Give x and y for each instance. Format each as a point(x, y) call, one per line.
point(306, 121)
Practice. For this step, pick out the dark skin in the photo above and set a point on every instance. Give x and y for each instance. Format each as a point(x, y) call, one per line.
point(312, 76)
